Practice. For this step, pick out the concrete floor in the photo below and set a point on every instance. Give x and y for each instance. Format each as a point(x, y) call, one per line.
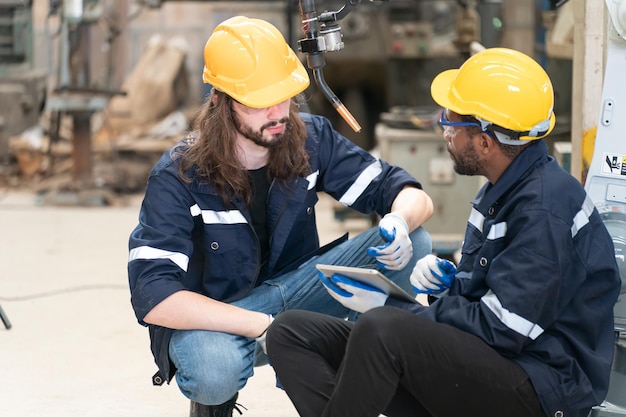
point(75, 348)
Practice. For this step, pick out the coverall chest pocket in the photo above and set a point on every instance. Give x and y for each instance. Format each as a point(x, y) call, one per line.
point(308, 208)
point(223, 254)
point(471, 247)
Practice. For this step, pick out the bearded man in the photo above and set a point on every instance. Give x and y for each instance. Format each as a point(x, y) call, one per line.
point(227, 235)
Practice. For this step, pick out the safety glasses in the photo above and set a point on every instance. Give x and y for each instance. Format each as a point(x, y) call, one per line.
point(507, 136)
point(443, 121)
point(449, 127)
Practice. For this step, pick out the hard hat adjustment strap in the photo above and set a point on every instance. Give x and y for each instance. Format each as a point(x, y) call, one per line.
point(538, 130)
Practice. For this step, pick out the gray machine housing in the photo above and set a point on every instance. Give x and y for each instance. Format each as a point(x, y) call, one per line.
point(606, 186)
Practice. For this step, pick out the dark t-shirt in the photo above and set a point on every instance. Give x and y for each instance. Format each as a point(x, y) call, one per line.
point(260, 187)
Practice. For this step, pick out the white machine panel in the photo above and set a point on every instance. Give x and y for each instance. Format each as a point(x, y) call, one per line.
point(423, 153)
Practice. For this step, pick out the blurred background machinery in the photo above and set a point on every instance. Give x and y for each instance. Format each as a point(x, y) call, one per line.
point(423, 152)
point(22, 85)
point(383, 79)
point(382, 56)
point(391, 50)
point(72, 92)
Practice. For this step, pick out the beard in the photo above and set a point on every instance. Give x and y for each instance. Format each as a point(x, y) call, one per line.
point(467, 162)
point(256, 136)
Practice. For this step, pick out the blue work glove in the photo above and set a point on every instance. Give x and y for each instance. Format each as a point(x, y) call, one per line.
point(432, 275)
point(398, 250)
point(352, 294)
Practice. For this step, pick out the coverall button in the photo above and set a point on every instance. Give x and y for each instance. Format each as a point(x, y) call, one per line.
point(483, 261)
point(215, 245)
point(309, 210)
point(157, 379)
point(558, 413)
point(491, 211)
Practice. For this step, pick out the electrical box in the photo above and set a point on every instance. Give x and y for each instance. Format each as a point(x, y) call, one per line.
point(22, 88)
point(423, 153)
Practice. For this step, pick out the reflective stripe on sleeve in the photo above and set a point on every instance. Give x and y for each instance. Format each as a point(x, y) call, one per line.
point(497, 231)
point(511, 320)
point(312, 179)
point(218, 217)
point(582, 217)
point(147, 252)
point(361, 183)
point(222, 217)
point(476, 219)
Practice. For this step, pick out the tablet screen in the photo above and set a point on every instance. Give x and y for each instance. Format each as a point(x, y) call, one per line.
point(368, 276)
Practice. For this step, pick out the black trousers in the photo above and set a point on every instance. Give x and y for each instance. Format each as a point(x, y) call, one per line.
point(394, 363)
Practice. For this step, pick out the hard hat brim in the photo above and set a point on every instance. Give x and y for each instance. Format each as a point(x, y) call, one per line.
point(440, 89)
point(292, 85)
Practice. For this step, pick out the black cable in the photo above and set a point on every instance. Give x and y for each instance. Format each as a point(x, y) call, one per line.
point(65, 291)
point(560, 3)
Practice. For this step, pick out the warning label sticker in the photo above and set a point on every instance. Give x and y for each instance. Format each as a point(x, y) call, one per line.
point(614, 164)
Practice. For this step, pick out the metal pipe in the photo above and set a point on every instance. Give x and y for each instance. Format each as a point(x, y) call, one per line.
point(315, 59)
point(334, 100)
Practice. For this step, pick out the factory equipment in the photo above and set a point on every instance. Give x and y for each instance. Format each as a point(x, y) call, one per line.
point(323, 35)
point(606, 186)
point(24, 90)
point(22, 87)
point(417, 39)
point(392, 51)
point(74, 95)
point(422, 151)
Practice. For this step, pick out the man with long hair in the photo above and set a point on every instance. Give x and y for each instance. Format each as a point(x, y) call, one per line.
point(227, 236)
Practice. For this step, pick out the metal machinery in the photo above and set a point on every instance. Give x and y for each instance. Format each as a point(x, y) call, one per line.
point(435, 37)
point(606, 186)
point(393, 49)
point(74, 94)
point(22, 87)
point(423, 153)
point(416, 40)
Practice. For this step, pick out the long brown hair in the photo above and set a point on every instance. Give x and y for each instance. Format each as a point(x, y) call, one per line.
point(212, 150)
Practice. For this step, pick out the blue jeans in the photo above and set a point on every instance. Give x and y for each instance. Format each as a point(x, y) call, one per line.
point(213, 366)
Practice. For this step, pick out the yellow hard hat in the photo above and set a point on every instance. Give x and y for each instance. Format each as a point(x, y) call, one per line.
point(506, 90)
point(249, 60)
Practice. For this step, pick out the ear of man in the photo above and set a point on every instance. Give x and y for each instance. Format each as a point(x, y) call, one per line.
point(486, 143)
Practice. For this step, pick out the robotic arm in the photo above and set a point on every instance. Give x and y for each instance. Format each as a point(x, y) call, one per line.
point(323, 35)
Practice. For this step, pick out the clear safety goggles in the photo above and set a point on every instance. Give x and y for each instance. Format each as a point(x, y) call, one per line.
point(449, 126)
point(507, 136)
point(443, 121)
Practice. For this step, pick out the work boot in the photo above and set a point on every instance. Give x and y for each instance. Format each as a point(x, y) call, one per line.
point(221, 410)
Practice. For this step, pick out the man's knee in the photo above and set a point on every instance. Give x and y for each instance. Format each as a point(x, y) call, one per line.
point(291, 328)
point(211, 367)
point(211, 384)
point(422, 243)
point(285, 323)
point(388, 323)
point(378, 321)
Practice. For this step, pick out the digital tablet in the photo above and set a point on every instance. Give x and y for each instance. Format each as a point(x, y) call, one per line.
point(368, 276)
